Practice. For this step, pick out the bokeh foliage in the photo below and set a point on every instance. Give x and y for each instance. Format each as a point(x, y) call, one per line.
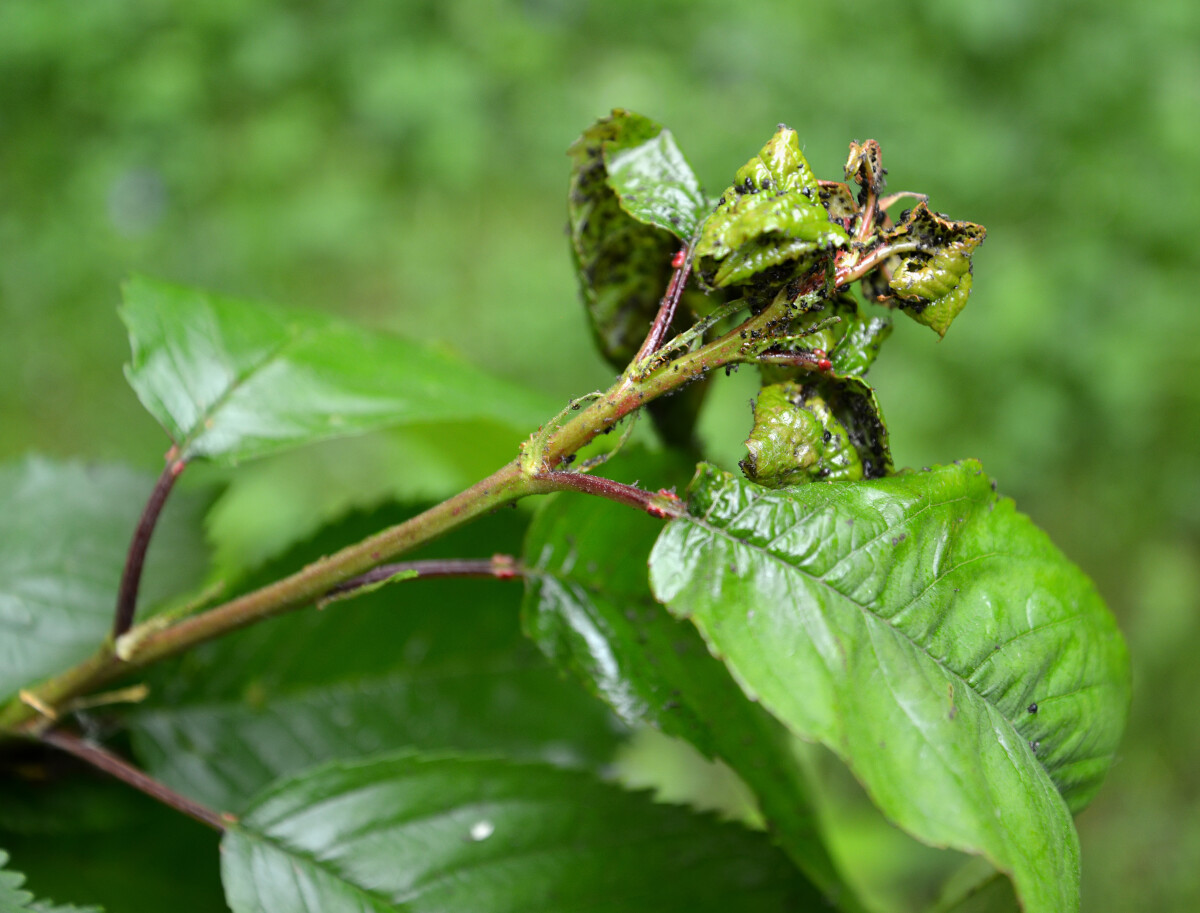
point(403, 164)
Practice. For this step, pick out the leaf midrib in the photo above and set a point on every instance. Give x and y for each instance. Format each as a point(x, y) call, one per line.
point(199, 428)
point(866, 610)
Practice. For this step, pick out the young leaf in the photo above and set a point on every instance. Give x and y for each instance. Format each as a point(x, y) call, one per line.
point(771, 215)
point(927, 633)
point(230, 380)
point(633, 199)
point(15, 900)
point(589, 608)
point(934, 280)
point(416, 833)
point(428, 664)
point(64, 532)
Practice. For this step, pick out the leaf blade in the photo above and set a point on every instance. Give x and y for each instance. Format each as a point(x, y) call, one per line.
point(230, 380)
point(632, 200)
point(588, 607)
point(811, 640)
point(420, 833)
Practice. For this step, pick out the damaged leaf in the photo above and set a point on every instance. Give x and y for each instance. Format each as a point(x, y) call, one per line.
point(933, 277)
point(633, 199)
point(826, 430)
point(771, 216)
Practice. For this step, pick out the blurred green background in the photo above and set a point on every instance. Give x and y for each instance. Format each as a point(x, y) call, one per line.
point(402, 164)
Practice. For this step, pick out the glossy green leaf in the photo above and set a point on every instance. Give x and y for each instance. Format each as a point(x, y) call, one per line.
point(771, 215)
point(64, 533)
point(645, 169)
point(933, 281)
point(430, 664)
point(633, 199)
point(423, 834)
point(229, 380)
point(588, 606)
point(931, 636)
point(13, 899)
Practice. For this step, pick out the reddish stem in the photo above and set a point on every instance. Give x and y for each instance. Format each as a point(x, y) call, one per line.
point(667, 307)
point(662, 504)
point(135, 560)
point(501, 567)
point(105, 760)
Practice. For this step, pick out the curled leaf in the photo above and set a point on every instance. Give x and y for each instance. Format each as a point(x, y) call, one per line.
point(827, 430)
point(633, 199)
point(796, 438)
point(771, 216)
point(865, 166)
point(933, 277)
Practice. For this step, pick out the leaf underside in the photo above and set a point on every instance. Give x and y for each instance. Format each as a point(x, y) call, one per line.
point(912, 624)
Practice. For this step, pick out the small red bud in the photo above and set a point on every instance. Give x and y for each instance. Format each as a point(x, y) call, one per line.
point(662, 513)
point(680, 256)
point(820, 353)
point(824, 364)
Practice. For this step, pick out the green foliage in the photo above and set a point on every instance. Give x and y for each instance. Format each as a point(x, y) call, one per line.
point(426, 833)
point(797, 438)
point(589, 608)
point(453, 673)
point(929, 635)
point(230, 380)
point(63, 537)
point(804, 627)
point(933, 281)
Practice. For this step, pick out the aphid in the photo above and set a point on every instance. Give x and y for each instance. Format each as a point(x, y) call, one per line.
point(680, 256)
point(1033, 708)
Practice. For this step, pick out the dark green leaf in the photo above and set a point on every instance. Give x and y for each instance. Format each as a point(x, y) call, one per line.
point(927, 633)
point(433, 664)
point(589, 608)
point(127, 852)
point(632, 199)
point(933, 279)
point(425, 834)
point(230, 380)
point(64, 532)
point(15, 900)
point(771, 215)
